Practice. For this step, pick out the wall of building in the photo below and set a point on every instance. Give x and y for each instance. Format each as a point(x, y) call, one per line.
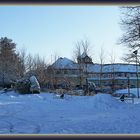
point(118, 78)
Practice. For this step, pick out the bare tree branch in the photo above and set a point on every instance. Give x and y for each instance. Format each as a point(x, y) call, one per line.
point(130, 24)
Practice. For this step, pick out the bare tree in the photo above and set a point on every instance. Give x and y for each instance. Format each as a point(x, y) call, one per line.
point(112, 68)
point(77, 51)
point(54, 68)
point(29, 63)
point(35, 65)
point(76, 57)
point(39, 68)
point(130, 24)
point(22, 55)
point(86, 46)
point(82, 49)
point(102, 61)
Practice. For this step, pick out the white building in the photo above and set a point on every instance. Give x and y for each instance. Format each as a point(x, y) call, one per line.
point(116, 75)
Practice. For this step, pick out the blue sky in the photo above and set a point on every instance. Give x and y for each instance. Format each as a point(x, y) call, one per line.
point(54, 30)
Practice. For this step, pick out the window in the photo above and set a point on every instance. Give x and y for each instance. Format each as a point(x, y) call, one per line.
point(58, 72)
point(65, 72)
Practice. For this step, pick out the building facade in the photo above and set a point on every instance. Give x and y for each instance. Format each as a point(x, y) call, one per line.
point(116, 75)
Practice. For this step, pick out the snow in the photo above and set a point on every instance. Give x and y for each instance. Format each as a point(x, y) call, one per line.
point(45, 113)
point(34, 84)
point(112, 67)
point(117, 67)
point(125, 91)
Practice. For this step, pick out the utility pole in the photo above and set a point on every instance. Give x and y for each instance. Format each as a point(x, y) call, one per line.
point(137, 74)
point(128, 84)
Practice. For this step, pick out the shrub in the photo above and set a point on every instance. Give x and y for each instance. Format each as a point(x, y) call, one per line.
point(23, 86)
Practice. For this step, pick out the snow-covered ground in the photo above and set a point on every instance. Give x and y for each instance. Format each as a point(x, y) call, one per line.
point(47, 114)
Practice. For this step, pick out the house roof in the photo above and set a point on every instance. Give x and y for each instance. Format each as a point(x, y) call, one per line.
point(112, 67)
point(64, 63)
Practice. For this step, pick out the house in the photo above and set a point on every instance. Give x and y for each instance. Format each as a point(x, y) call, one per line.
point(119, 75)
point(116, 76)
point(63, 69)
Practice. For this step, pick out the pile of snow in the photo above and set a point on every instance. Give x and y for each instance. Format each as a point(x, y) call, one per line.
point(34, 84)
point(106, 102)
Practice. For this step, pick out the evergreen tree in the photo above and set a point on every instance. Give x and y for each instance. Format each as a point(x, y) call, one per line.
point(11, 67)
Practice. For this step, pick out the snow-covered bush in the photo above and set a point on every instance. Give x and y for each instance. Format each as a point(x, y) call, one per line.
point(23, 86)
point(28, 85)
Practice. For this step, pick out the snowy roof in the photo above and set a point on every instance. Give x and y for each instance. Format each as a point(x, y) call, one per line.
point(117, 67)
point(64, 63)
point(112, 67)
